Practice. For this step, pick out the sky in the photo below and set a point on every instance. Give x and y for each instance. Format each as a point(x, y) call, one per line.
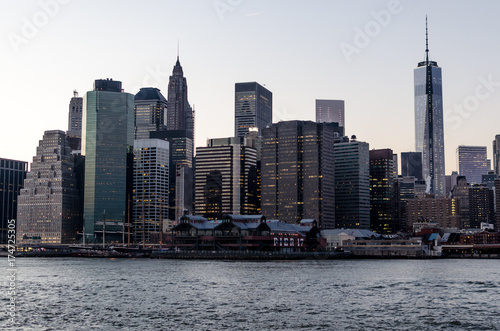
point(363, 52)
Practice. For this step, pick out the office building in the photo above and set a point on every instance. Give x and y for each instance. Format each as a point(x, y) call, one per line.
point(48, 209)
point(150, 188)
point(451, 181)
point(497, 204)
point(443, 211)
point(150, 112)
point(184, 190)
point(298, 173)
point(328, 111)
point(180, 115)
point(496, 154)
point(411, 164)
point(406, 188)
point(481, 205)
point(181, 157)
point(253, 108)
point(489, 179)
point(395, 172)
point(472, 163)
point(74, 133)
point(461, 192)
point(429, 132)
point(382, 199)
point(107, 143)
point(75, 116)
point(226, 178)
point(352, 185)
point(12, 175)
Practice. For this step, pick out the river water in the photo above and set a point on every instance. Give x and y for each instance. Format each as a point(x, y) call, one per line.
point(143, 294)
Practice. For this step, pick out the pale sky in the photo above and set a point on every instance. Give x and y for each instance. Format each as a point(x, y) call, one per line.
point(300, 50)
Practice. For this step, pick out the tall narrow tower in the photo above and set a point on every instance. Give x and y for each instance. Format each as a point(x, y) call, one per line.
point(180, 115)
point(429, 132)
point(107, 143)
point(253, 108)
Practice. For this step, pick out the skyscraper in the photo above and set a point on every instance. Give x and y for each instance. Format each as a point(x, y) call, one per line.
point(481, 205)
point(429, 132)
point(12, 175)
point(472, 163)
point(411, 164)
point(352, 185)
point(382, 200)
point(150, 111)
point(150, 188)
point(180, 161)
point(226, 176)
point(75, 116)
point(496, 154)
point(74, 133)
point(298, 173)
point(180, 115)
point(253, 108)
point(461, 192)
point(328, 111)
point(48, 207)
point(108, 138)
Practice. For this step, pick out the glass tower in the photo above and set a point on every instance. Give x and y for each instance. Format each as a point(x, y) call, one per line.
point(226, 175)
point(328, 111)
point(472, 163)
point(352, 185)
point(253, 108)
point(12, 175)
point(297, 173)
point(150, 188)
point(429, 132)
point(150, 112)
point(108, 138)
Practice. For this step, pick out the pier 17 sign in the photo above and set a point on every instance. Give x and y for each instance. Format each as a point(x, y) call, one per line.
point(288, 242)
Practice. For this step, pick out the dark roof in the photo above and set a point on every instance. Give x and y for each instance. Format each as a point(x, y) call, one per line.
point(149, 93)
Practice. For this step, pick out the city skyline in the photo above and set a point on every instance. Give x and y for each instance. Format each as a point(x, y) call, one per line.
point(334, 50)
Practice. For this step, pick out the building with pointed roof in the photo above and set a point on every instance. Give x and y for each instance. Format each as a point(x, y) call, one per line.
point(429, 131)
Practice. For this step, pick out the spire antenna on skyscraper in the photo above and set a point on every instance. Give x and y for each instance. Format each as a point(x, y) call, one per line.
point(426, 42)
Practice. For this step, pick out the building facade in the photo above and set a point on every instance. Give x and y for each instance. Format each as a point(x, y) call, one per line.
point(226, 178)
point(74, 133)
point(481, 205)
point(406, 188)
point(352, 185)
point(461, 192)
point(49, 204)
point(253, 108)
point(75, 116)
point(107, 143)
point(150, 188)
point(429, 131)
point(496, 154)
point(181, 157)
point(328, 111)
point(150, 111)
point(472, 163)
point(180, 115)
point(12, 176)
point(443, 211)
point(382, 198)
point(411, 164)
point(298, 173)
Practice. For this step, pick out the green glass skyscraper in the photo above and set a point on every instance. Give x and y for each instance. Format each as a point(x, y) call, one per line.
point(107, 142)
